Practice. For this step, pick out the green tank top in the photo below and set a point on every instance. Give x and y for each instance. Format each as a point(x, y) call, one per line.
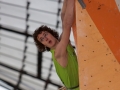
point(68, 74)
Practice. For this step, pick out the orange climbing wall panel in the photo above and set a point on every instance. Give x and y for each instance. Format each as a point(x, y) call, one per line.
point(106, 16)
point(99, 68)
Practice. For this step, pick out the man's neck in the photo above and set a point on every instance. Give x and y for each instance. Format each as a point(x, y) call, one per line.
point(55, 45)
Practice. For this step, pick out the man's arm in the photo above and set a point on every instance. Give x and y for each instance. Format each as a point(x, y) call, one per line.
point(67, 21)
point(63, 13)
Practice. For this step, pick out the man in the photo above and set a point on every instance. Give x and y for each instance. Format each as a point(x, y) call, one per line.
point(63, 54)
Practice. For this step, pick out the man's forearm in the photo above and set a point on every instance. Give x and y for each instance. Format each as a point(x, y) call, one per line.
point(69, 15)
point(63, 9)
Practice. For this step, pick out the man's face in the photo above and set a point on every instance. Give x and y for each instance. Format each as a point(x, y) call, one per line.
point(46, 39)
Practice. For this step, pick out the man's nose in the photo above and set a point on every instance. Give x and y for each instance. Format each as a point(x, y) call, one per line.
point(46, 39)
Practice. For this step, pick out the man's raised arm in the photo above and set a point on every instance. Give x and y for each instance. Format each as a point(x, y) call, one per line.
point(67, 21)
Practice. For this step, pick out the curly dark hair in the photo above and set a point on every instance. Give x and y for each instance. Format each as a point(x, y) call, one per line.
point(39, 45)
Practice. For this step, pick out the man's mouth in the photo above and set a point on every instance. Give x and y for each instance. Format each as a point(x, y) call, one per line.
point(50, 41)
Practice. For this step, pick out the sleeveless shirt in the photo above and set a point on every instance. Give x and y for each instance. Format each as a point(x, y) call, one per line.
point(68, 74)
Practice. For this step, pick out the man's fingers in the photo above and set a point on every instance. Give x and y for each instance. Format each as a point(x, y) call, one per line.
point(62, 88)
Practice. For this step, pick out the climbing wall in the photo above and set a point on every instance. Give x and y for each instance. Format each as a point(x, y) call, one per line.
point(97, 35)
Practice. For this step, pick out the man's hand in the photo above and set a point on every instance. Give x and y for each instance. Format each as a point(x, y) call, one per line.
point(62, 88)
